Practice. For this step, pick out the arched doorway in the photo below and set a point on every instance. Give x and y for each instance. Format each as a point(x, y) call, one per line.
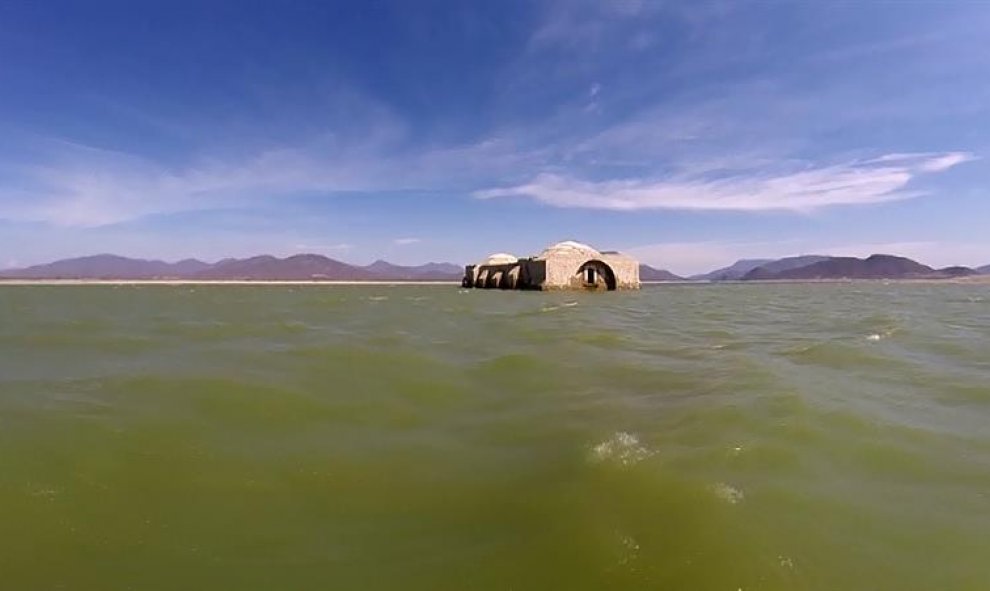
point(595, 275)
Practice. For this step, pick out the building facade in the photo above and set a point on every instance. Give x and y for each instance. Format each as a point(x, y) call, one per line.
point(565, 265)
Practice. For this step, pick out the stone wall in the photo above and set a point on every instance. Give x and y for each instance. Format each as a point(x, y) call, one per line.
point(626, 270)
point(559, 267)
point(564, 271)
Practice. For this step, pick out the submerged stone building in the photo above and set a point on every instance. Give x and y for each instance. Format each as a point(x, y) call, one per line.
point(565, 265)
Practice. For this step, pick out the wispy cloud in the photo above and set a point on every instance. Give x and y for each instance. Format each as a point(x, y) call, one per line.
point(79, 185)
point(341, 247)
point(851, 183)
point(406, 241)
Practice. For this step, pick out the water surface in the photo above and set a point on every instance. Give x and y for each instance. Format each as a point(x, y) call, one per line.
point(717, 437)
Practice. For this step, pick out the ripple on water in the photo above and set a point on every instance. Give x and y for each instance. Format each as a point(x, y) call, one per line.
point(621, 449)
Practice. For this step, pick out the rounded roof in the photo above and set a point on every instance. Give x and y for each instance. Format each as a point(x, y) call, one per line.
point(570, 247)
point(500, 258)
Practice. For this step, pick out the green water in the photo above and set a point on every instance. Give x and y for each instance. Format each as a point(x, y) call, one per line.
point(832, 437)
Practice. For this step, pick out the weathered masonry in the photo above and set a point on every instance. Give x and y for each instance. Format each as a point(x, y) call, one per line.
point(565, 265)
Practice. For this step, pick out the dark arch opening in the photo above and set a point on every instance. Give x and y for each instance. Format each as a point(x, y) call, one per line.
point(596, 274)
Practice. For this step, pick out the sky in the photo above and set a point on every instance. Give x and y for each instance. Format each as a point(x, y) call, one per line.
point(689, 134)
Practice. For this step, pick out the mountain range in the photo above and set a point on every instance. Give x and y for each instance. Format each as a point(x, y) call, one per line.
point(314, 267)
point(648, 273)
point(878, 266)
point(742, 267)
point(302, 267)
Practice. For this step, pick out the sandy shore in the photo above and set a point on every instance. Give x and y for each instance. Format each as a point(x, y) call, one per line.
point(973, 279)
point(208, 282)
point(976, 279)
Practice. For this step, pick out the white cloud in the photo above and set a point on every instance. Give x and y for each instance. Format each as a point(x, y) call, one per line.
point(79, 185)
point(343, 246)
point(406, 241)
point(852, 183)
point(946, 161)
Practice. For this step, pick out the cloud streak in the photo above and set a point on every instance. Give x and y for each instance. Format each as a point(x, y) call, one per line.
point(882, 179)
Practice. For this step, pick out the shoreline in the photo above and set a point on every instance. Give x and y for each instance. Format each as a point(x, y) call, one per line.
point(212, 282)
point(972, 280)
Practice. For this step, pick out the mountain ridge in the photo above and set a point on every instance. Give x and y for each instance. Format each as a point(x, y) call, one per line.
point(297, 267)
point(648, 273)
point(317, 267)
point(733, 272)
point(876, 266)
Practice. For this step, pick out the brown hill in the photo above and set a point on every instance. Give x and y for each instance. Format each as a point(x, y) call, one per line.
point(427, 272)
point(878, 266)
point(300, 267)
point(108, 266)
point(732, 272)
point(648, 273)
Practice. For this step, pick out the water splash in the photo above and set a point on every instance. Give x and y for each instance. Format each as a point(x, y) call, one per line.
point(622, 448)
point(729, 494)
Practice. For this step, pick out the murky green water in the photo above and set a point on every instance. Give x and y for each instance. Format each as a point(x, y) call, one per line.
point(687, 437)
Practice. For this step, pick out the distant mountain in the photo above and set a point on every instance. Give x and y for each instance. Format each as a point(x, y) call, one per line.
point(732, 272)
point(768, 270)
point(108, 266)
point(427, 272)
point(189, 266)
point(878, 266)
point(300, 267)
point(984, 269)
point(957, 271)
point(648, 273)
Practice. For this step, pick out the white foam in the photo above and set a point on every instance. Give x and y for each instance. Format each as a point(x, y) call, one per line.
point(629, 549)
point(729, 494)
point(621, 448)
point(880, 335)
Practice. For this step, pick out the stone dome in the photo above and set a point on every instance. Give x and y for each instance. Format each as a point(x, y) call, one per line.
point(500, 258)
point(570, 248)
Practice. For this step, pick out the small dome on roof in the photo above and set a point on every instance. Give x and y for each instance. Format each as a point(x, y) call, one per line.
point(569, 247)
point(500, 258)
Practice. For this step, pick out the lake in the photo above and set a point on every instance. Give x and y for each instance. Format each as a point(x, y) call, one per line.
point(722, 437)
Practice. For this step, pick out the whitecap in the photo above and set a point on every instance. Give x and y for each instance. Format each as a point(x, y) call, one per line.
point(729, 494)
point(628, 549)
point(877, 336)
point(622, 448)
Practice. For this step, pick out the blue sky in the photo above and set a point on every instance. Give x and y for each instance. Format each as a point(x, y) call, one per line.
point(688, 133)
